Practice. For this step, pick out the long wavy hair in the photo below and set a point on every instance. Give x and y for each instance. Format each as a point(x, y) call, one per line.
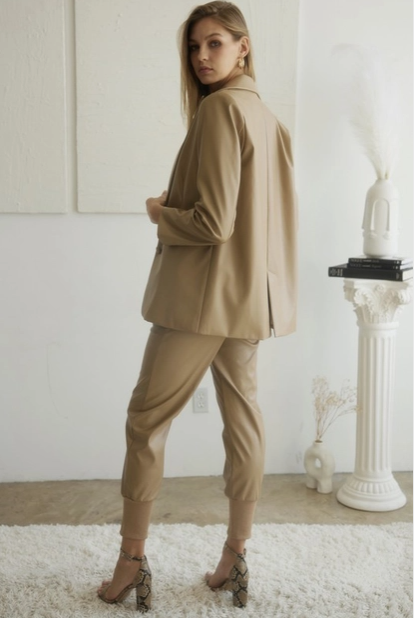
point(231, 18)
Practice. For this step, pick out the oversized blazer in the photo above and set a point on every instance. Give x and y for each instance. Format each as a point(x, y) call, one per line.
point(226, 258)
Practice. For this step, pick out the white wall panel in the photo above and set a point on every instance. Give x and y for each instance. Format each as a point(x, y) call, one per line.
point(128, 99)
point(32, 101)
point(128, 119)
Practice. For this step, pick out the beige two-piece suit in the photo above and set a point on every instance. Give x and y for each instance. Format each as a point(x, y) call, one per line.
point(223, 277)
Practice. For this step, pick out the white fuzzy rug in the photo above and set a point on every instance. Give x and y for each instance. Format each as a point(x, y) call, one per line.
point(297, 571)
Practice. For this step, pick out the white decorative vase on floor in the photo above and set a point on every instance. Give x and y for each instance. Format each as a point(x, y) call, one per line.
point(380, 222)
point(320, 466)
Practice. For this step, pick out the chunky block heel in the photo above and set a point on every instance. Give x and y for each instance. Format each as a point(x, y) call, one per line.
point(143, 588)
point(239, 581)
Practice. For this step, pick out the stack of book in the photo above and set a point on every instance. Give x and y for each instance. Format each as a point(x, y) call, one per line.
point(391, 269)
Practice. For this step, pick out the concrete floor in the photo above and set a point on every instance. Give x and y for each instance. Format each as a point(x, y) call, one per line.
point(197, 500)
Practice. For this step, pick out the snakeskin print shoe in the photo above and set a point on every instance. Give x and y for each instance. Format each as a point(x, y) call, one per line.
point(238, 580)
point(141, 583)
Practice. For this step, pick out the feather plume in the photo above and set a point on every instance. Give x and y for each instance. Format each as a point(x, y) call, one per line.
point(370, 92)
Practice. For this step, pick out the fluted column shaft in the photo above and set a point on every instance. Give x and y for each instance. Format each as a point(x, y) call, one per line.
point(372, 486)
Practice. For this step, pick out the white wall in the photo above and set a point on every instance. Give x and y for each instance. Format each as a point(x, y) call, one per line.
point(71, 335)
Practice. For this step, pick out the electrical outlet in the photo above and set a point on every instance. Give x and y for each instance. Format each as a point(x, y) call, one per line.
point(200, 400)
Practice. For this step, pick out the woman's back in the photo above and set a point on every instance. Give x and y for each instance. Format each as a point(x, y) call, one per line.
point(227, 237)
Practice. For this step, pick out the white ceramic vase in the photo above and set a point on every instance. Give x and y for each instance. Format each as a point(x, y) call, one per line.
point(380, 224)
point(320, 466)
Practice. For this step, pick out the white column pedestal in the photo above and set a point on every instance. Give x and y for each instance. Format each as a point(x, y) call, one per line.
point(372, 486)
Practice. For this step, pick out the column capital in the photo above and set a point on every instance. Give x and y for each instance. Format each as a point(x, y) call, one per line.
point(379, 301)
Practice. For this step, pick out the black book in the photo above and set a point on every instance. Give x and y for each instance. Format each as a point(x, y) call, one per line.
point(397, 263)
point(388, 274)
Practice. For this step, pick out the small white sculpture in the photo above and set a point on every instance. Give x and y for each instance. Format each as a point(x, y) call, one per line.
point(319, 465)
point(380, 222)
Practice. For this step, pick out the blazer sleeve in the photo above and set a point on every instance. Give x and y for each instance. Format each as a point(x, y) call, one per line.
point(218, 144)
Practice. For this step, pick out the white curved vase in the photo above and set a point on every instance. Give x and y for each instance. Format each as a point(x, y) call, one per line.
point(380, 222)
point(320, 466)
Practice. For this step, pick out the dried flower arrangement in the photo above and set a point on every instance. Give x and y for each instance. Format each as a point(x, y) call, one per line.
point(329, 405)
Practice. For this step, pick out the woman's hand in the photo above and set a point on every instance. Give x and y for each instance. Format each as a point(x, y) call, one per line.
point(155, 206)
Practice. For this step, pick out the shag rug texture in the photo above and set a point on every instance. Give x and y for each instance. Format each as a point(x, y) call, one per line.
point(296, 571)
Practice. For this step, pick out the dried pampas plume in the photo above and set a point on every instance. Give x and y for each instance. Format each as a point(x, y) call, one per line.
point(329, 405)
point(370, 93)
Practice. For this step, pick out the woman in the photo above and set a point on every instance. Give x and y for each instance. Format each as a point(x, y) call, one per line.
point(222, 279)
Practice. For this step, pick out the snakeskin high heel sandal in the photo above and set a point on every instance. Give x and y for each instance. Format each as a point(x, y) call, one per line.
point(238, 580)
point(141, 583)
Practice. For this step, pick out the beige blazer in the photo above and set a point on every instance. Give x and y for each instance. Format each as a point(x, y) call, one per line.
point(226, 258)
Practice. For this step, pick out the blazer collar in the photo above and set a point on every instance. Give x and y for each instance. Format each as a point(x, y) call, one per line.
point(242, 82)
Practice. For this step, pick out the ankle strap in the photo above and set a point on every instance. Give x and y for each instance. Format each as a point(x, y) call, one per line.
point(124, 554)
point(233, 552)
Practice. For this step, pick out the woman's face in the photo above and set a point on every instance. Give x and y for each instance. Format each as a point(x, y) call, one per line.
point(214, 54)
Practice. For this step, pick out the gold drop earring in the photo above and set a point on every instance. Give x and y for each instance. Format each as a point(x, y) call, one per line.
point(241, 63)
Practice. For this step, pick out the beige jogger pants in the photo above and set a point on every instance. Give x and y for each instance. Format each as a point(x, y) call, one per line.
point(173, 365)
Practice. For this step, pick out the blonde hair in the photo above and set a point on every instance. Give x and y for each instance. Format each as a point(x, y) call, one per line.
point(231, 18)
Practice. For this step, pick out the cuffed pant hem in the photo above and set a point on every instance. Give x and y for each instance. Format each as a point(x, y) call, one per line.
point(136, 519)
point(241, 516)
